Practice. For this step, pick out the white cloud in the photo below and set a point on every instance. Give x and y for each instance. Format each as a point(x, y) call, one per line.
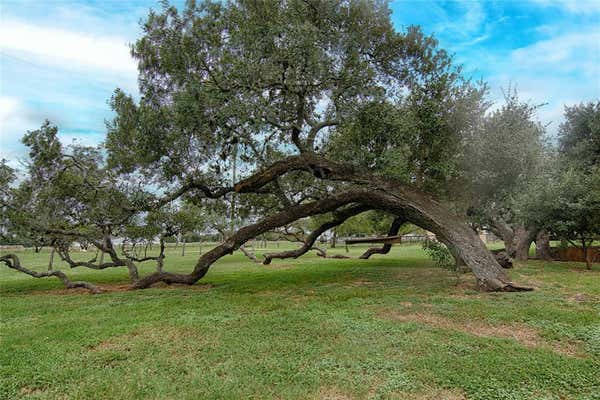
point(66, 48)
point(575, 52)
point(12, 116)
point(573, 6)
point(8, 108)
point(562, 70)
point(469, 22)
point(16, 119)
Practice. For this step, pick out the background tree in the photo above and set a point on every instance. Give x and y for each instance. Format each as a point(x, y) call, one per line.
point(504, 156)
point(68, 197)
point(565, 197)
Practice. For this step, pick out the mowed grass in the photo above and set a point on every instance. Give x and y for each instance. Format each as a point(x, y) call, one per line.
point(393, 327)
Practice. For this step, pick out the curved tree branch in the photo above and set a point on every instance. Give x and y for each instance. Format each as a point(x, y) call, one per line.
point(339, 217)
point(12, 261)
point(415, 206)
point(394, 228)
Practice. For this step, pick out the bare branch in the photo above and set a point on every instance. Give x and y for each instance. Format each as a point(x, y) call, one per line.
point(394, 228)
point(12, 261)
point(339, 217)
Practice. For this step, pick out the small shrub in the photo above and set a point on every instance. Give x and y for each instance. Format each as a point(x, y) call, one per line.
point(442, 258)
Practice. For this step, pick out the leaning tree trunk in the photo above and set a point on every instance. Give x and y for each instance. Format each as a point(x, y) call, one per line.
point(459, 262)
point(378, 192)
point(51, 261)
point(416, 206)
point(466, 245)
point(542, 246)
point(505, 232)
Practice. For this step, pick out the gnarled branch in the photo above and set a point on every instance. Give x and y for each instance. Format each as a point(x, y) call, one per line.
point(339, 217)
point(394, 228)
point(13, 262)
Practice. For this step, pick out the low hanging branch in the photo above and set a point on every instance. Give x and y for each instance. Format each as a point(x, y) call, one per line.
point(417, 207)
point(297, 236)
point(394, 228)
point(12, 261)
point(248, 253)
point(371, 192)
point(160, 258)
point(65, 255)
point(104, 247)
point(339, 218)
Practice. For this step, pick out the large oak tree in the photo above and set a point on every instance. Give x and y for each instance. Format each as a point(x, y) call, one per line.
point(323, 106)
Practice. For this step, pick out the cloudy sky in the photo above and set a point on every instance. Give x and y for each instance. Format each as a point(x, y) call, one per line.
point(62, 59)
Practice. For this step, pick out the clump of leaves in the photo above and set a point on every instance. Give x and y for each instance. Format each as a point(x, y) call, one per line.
point(442, 258)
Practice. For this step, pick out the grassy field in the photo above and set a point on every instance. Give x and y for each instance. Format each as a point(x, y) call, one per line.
point(390, 327)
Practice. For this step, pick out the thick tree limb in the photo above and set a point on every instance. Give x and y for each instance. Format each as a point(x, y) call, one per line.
point(415, 206)
point(66, 257)
point(12, 261)
point(104, 246)
point(377, 192)
point(394, 228)
point(339, 217)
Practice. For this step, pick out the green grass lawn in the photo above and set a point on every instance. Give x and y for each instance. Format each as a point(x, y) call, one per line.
point(389, 327)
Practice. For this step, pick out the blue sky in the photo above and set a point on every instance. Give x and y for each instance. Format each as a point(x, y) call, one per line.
point(62, 59)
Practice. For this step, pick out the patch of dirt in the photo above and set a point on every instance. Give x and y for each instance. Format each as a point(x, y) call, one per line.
point(466, 286)
point(525, 335)
point(28, 391)
point(532, 282)
point(361, 283)
point(583, 270)
point(437, 394)
point(181, 336)
point(448, 395)
point(582, 298)
point(331, 393)
point(196, 287)
point(419, 272)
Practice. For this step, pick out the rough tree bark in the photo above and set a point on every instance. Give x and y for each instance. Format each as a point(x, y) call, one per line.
point(586, 256)
point(334, 239)
point(249, 254)
point(506, 233)
point(503, 258)
point(51, 260)
point(394, 228)
point(523, 239)
point(542, 246)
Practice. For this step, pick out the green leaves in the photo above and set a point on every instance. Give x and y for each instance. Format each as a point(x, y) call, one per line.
point(579, 134)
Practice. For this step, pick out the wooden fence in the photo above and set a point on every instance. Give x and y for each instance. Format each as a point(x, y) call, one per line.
point(575, 254)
